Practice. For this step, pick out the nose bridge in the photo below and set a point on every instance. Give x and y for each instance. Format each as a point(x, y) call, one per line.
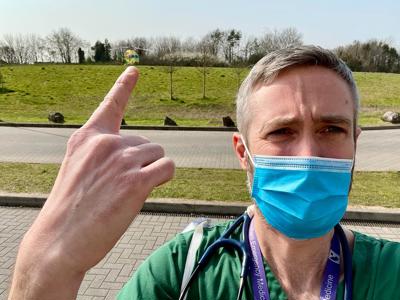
point(308, 145)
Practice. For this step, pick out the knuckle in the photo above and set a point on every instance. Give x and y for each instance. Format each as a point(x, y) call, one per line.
point(157, 150)
point(77, 138)
point(105, 142)
point(135, 140)
point(122, 83)
point(149, 150)
point(144, 139)
point(130, 152)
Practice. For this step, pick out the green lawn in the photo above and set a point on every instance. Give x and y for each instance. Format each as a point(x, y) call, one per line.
point(75, 90)
point(379, 92)
point(369, 188)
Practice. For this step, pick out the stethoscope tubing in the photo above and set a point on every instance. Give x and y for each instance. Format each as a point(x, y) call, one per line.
point(242, 248)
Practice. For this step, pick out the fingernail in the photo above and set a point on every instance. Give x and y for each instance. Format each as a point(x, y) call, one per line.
point(131, 69)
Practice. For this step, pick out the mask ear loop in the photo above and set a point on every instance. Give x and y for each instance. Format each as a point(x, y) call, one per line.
point(247, 151)
point(250, 186)
point(251, 209)
point(353, 164)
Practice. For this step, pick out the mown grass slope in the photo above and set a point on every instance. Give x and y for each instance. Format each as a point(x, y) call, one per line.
point(32, 91)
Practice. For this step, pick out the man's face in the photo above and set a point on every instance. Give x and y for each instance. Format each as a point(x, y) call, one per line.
point(305, 111)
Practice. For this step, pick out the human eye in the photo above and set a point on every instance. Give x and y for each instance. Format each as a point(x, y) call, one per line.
point(280, 131)
point(280, 134)
point(334, 129)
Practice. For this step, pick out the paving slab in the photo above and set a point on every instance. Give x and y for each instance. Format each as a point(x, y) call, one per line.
point(146, 233)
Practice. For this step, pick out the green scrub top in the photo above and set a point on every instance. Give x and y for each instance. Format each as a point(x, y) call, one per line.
point(376, 271)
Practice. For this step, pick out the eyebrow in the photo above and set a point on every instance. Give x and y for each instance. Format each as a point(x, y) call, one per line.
point(283, 121)
point(335, 119)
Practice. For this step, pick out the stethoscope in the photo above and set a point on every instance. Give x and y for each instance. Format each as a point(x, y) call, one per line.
point(241, 246)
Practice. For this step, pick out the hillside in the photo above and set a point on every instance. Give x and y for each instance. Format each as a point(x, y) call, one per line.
point(75, 90)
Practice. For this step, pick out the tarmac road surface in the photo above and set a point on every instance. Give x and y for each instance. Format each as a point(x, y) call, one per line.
point(377, 150)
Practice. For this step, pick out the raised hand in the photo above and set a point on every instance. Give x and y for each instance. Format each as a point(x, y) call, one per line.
point(102, 185)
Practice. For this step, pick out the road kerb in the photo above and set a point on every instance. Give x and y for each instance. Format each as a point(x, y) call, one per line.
point(160, 127)
point(199, 207)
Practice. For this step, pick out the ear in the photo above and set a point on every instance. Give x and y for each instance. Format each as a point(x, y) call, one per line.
point(357, 133)
point(239, 149)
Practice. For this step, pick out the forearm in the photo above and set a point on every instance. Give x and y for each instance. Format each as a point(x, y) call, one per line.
point(101, 186)
point(38, 276)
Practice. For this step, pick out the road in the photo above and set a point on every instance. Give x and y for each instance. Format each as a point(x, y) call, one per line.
point(378, 150)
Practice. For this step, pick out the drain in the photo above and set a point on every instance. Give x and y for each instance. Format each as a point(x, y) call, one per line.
point(224, 217)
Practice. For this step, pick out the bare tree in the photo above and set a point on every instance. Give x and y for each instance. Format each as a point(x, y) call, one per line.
point(189, 45)
point(164, 46)
point(36, 46)
point(205, 59)
point(65, 43)
point(21, 49)
point(7, 54)
point(290, 37)
point(279, 39)
point(214, 41)
point(249, 47)
point(141, 45)
point(171, 61)
point(167, 50)
point(238, 66)
point(7, 50)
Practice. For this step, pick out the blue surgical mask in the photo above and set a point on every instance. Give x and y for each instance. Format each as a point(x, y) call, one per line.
point(302, 197)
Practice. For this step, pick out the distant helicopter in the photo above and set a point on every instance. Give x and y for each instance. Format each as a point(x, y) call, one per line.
point(132, 54)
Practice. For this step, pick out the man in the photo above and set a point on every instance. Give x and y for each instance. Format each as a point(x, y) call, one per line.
point(297, 117)
point(299, 102)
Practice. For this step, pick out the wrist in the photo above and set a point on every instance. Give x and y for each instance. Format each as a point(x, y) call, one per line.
point(39, 274)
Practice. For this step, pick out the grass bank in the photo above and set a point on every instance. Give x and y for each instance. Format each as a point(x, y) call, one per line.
point(369, 188)
point(31, 91)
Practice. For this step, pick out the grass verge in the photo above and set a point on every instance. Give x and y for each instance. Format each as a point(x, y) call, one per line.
point(369, 188)
point(32, 91)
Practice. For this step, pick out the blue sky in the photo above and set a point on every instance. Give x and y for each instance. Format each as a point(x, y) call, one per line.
point(323, 22)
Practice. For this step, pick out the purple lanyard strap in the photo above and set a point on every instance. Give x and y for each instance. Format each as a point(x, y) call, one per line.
point(259, 282)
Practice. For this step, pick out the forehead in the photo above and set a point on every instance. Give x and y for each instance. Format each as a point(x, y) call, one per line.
point(303, 92)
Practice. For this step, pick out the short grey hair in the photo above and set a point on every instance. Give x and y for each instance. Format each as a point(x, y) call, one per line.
point(268, 68)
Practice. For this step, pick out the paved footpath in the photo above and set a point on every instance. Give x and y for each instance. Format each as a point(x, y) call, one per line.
point(378, 150)
point(146, 233)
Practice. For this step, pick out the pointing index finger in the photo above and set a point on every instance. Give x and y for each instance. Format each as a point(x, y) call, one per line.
point(109, 113)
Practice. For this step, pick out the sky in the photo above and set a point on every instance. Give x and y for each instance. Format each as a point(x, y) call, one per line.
point(322, 22)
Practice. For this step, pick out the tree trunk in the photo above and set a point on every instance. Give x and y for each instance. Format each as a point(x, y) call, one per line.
point(204, 82)
point(170, 83)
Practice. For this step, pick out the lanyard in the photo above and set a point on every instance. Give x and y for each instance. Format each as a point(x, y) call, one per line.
point(259, 282)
